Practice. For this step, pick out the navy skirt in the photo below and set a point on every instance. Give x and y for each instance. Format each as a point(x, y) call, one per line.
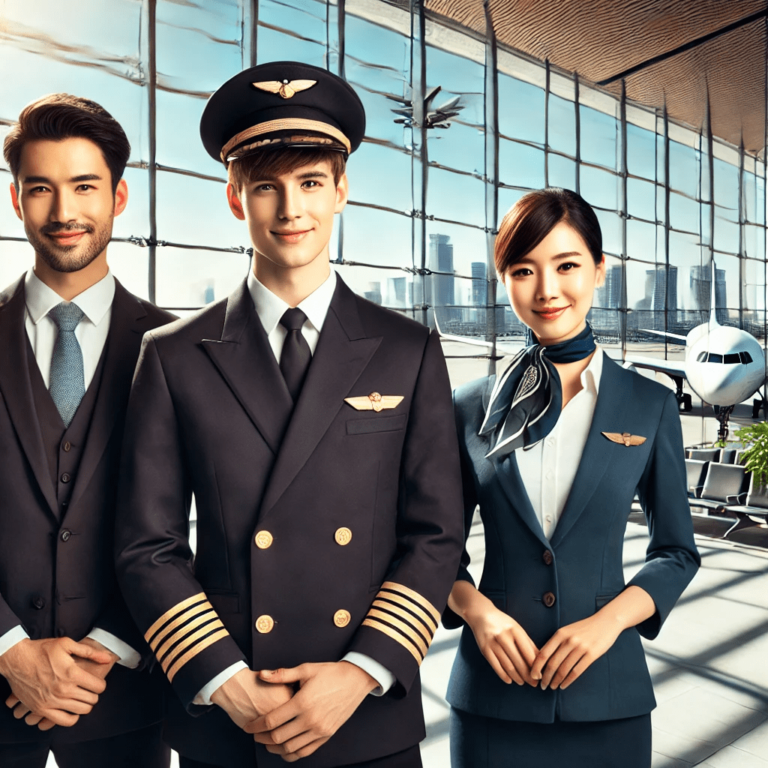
point(487, 742)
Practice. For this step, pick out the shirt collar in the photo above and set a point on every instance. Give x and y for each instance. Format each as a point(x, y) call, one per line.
point(270, 308)
point(94, 301)
point(590, 376)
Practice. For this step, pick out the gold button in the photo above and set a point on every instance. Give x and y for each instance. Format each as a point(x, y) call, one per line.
point(343, 536)
point(341, 618)
point(265, 624)
point(264, 539)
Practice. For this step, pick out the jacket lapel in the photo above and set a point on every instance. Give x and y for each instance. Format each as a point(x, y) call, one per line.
point(609, 416)
point(342, 354)
point(17, 388)
point(247, 363)
point(127, 325)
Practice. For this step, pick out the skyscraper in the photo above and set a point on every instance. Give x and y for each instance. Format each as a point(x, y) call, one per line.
point(441, 260)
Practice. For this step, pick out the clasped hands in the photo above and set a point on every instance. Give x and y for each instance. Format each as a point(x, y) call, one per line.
point(55, 681)
point(294, 711)
point(514, 657)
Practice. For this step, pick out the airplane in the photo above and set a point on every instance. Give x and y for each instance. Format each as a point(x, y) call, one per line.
point(723, 365)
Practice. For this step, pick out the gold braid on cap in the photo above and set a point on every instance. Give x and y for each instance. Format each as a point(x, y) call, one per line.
point(289, 124)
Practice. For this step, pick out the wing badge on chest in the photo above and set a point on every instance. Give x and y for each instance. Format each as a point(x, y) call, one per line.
point(374, 402)
point(624, 438)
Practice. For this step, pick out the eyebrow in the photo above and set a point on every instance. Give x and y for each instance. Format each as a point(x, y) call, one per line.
point(566, 255)
point(46, 180)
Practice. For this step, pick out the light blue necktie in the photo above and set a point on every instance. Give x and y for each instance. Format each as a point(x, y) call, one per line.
point(67, 385)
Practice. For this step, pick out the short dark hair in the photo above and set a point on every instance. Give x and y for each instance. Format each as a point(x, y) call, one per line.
point(62, 116)
point(535, 215)
point(269, 163)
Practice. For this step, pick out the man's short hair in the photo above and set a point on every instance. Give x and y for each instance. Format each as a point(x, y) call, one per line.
point(271, 163)
point(63, 116)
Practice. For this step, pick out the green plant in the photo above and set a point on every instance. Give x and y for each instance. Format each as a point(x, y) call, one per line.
point(755, 457)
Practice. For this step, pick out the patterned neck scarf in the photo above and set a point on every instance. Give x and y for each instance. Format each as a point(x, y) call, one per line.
point(527, 398)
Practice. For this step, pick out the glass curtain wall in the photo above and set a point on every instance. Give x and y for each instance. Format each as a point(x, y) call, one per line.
point(458, 129)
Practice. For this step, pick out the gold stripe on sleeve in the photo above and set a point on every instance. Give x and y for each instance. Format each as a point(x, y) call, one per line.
point(415, 596)
point(408, 617)
point(203, 618)
point(192, 652)
point(426, 619)
point(172, 612)
point(182, 618)
point(406, 629)
point(188, 642)
point(395, 635)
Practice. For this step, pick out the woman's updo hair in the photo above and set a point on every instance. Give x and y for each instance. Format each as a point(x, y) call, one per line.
point(535, 215)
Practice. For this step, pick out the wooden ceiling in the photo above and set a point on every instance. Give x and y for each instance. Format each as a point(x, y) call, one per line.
point(601, 39)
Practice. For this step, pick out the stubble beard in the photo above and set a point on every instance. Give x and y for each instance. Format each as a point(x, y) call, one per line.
point(70, 258)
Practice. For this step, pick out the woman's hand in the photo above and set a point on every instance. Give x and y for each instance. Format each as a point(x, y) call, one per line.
point(573, 648)
point(504, 643)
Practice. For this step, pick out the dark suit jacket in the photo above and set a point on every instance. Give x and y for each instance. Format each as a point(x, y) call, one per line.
point(582, 564)
point(54, 585)
point(210, 414)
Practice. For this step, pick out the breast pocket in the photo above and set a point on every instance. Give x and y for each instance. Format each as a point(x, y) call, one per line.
point(377, 424)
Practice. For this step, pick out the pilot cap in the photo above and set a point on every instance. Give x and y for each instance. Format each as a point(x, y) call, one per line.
point(282, 104)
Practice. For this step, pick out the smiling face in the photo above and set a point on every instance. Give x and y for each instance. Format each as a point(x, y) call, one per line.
point(551, 287)
point(66, 202)
point(290, 216)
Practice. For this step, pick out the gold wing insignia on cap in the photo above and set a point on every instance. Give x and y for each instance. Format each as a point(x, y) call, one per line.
point(374, 402)
point(624, 438)
point(286, 89)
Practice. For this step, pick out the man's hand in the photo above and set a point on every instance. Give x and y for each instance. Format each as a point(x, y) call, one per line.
point(244, 697)
point(95, 668)
point(327, 697)
point(45, 677)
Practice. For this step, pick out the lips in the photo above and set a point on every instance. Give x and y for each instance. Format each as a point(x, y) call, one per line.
point(550, 313)
point(291, 237)
point(68, 238)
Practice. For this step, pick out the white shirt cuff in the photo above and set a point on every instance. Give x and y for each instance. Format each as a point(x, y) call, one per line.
point(377, 671)
point(128, 656)
point(11, 637)
point(203, 698)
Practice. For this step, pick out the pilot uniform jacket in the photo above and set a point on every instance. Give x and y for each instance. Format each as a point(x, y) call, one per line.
point(58, 489)
point(321, 529)
point(545, 585)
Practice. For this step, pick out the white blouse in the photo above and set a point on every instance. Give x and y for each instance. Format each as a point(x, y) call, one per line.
point(549, 467)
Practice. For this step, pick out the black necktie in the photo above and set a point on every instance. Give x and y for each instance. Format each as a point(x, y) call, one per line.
point(295, 358)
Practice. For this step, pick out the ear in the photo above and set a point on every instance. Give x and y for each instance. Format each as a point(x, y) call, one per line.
point(121, 197)
point(234, 202)
point(600, 277)
point(342, 194)
point(15, 201)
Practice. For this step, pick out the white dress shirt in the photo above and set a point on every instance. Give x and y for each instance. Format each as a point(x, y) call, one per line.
point(91, 333)
point(548, 468)
point(270, 308)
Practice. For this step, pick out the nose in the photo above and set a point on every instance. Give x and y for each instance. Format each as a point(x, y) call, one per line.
point(546, 286)
point(290, 207)
point(62, 208)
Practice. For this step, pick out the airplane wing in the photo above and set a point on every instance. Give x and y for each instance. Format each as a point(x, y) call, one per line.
point(674, 337)
point(670, 367)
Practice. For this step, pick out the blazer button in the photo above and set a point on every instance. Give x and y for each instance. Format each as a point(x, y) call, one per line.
point(66, 477)
point(67, 446)
point(264, 539)
point(65, 535)
point(341, 618)
point(549, 599)
point(547, 557)
point(38, 602)
point(343, 536)
point(265, 624)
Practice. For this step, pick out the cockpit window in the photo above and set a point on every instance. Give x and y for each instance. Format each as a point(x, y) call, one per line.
point(732, 359)
point(746, 358)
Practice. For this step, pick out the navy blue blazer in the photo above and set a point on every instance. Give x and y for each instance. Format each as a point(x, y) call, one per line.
point(582, 564)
